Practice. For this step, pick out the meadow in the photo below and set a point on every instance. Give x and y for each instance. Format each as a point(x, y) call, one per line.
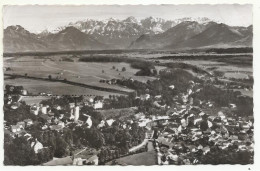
point(54, 67)
point(55, 88)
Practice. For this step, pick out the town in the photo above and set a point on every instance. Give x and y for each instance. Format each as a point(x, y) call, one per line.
point(176, 119)
point(139, 85)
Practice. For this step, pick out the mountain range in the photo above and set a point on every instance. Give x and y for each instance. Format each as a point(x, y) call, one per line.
point(149, 33)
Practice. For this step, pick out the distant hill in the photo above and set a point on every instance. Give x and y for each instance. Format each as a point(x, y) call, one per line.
point(72, 39)
point(17, 39)
point(217, 35)
point(149, 33)
point(181, 32)
point(188, 35)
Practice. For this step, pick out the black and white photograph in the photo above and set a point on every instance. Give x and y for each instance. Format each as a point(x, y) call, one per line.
point(128, 85)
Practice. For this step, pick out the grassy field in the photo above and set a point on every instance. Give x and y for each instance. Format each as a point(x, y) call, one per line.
point(55, 88)
point(34, 99)
point(81, 72)
point(120, 114)
point(230, 70)
point(145, 158)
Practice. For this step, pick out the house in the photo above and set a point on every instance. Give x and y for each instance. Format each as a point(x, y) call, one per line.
point(102, 124)
point(57, 107)
point(15, 105)
point(172, 87)
point(34, 109)
point(24, 92)
point(158, 97)
point(88, 100)
point(28, 122)
point(44, 127)
point(143, 122)
point(145, 97)
point(221, 115)
point(72, 105)
point(89, 122)
point(93, 160)
point(44, 110)
point(232, 106)
point(61, 124)
point(98, 105)
point(139, 115)
point(21, 124)
point(36, 146)
point(28, 136)
point(15, 128)
point(110, 122)
point(79, 161)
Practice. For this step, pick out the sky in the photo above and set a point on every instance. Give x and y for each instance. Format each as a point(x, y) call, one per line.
point(37, 18)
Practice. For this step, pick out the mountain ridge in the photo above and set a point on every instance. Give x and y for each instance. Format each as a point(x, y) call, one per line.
point(148, 33)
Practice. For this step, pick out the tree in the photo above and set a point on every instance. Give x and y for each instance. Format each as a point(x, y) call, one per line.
point(96, 139)
point(154, 72)
point(20, 114)
point(50, 77)
point(103, 71)
point(25, 74)
point(19, 152)
point(44, 155)
point(113, 67)
point(123, 69)
point(61, 147)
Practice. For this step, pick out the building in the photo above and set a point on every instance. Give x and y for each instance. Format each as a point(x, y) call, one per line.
point(35, 109)
point(15, 128)
point(24, 92)
point(28, 122)
point(98, 105)
point(44, 110)
point(36, 146)
point(145, 97)
point(89, 121)
point(76, 113)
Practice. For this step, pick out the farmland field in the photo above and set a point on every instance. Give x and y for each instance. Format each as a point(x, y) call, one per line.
point(55, 88)
point(89, 73)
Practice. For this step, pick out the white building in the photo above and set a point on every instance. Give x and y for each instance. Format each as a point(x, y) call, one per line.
point(15, 128)
point(89, 121)
point(44, 110)
point(36, 146)
point(98, 105)
point(24, 92)
point(76, 113)
point(35, 110)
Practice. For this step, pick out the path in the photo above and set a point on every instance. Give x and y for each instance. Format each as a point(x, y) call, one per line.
point(138, 146)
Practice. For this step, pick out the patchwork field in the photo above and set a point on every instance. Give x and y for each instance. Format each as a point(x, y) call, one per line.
point(55, 88)
point(81, 72)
